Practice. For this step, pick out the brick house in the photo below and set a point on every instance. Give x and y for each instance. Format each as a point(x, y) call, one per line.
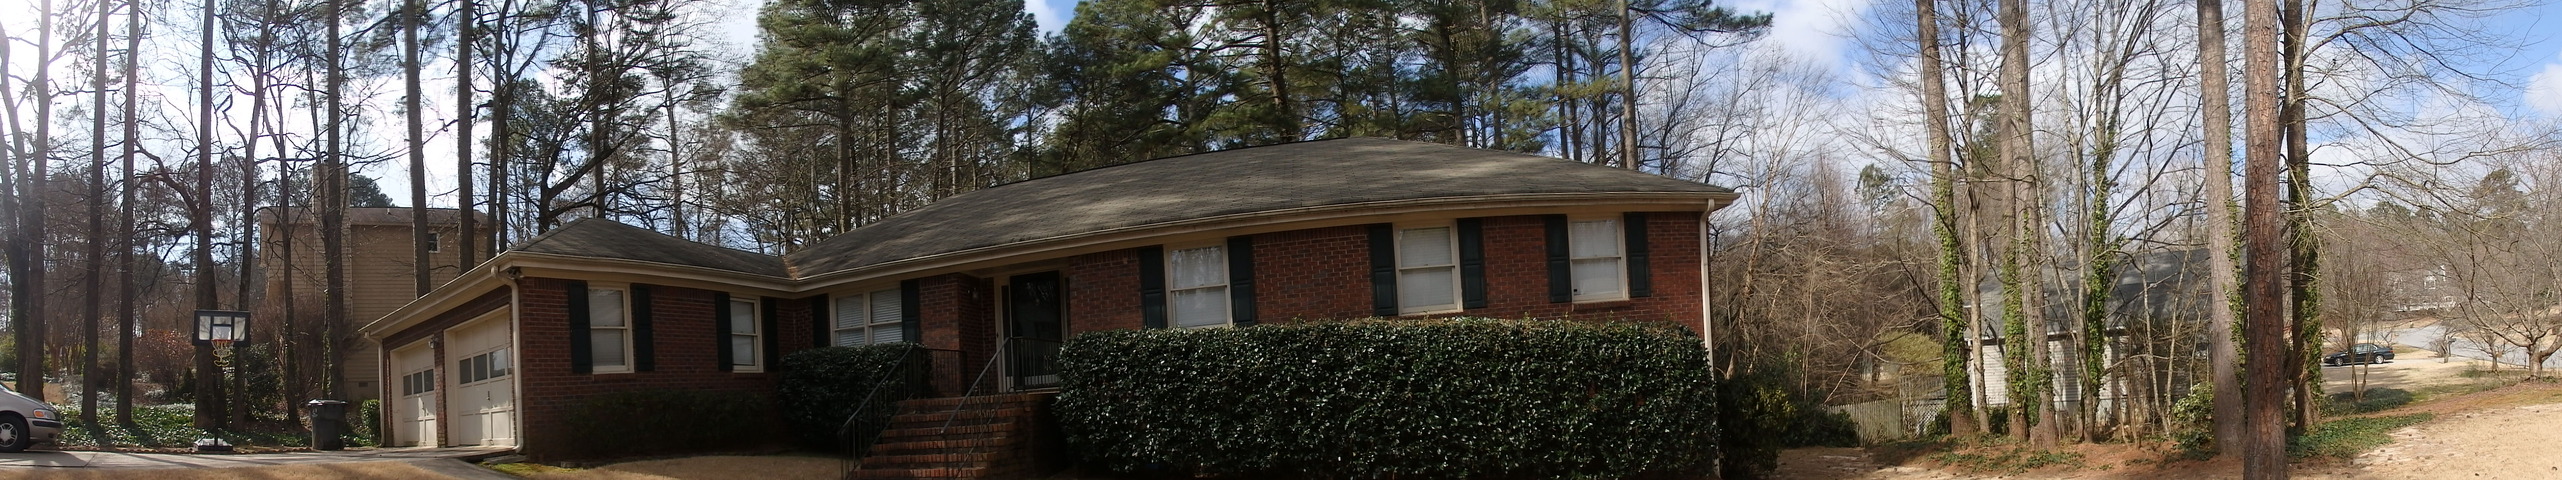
point(1314, 230)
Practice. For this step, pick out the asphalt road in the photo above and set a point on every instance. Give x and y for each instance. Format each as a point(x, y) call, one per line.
point(2427, 337)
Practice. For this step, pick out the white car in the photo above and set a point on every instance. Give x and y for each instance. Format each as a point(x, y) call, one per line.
point(25, 422)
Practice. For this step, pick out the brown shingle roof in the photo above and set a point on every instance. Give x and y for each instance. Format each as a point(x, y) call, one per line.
point(591, 237)
point(1296, 175)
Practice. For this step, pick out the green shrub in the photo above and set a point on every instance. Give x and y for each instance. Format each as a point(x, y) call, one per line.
point(369, 421)
point(2347, 437)
point(650, 422)
point(1404, 398)
point(2192, 428)
point(820, 387)
point(1756, 410)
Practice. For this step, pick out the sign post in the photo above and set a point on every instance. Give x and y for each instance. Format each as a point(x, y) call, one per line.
point(216, 330)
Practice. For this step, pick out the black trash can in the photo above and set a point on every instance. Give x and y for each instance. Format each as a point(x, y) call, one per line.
point(328, 424)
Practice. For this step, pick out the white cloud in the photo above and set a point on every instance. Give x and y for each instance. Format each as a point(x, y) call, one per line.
point(1807, 29)
point(1050, 17)
point(2544, 90)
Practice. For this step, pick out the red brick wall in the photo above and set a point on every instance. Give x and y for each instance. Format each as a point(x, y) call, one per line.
point(955, 313)
point(683, 333)
point(1324, 273)
point(1103, 292)
point(1312, 274)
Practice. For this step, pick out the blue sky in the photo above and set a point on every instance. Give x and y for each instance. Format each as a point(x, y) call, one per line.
point(1818, 29)
point(1811, 29)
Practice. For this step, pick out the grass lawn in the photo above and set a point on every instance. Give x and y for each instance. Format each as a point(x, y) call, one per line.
point(765, 468)
point(387, 470)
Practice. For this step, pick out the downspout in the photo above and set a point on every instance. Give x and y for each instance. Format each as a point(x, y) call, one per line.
point(516, 352)
point(1707, 309)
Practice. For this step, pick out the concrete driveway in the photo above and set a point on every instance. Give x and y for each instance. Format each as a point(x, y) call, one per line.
point(122, 460)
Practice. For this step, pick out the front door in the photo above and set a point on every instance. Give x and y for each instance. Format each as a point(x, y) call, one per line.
point(1036, 319)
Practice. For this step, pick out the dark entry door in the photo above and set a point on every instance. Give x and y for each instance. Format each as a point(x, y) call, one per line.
point(1036, 320)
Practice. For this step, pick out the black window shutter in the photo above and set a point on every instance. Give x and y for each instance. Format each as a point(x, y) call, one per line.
point(1472, 263)
point(1152, 287)
point(911, 321)
point(578, 341)
point(819, 334)
point(720, 326)
point(771, 331)
point(1241, 280)
point(1641, 280)
point(1383, 270)
point(1561, 276)
point(644, 352)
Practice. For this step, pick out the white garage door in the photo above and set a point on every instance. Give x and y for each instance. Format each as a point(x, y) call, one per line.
point(483, 396)
point(413, 402)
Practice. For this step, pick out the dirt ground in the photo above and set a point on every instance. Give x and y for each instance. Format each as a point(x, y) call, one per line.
point(2504, 433)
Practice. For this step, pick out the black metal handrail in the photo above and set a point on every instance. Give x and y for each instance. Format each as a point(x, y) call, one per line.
point(909, 365)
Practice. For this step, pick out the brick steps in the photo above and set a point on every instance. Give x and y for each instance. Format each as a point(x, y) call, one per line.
point(955, 438)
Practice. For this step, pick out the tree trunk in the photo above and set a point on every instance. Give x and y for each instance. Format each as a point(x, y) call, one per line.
point(2304, 247)
point(2224, 361)
point(469, 235)
point(2264, 449)
point(93, 287)
point(125, 234)
point(331, 175)
point(1956, 348)
point(1628, 85)
point(27, 253)
point(2018, 151)
point(412, 13)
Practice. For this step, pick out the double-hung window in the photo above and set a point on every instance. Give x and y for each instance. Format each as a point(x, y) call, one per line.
point(1599, 262)
point(609, 330)
point(744, 339)
point(1198, 287)
point(869, 318)
point(1427, 270)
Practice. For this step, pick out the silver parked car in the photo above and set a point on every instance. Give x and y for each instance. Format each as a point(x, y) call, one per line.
point(25, 422)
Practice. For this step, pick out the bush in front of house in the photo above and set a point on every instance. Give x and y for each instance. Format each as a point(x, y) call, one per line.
point(821, 387)
point(656, 422)
point(1459, 398)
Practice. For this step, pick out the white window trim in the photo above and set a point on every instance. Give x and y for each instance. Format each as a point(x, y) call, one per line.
point(435, 243)
point(756, 329)
point(1227, 316)
point(1619, 241)
point(1457, 285)
point(869, 330)
point(626, 298)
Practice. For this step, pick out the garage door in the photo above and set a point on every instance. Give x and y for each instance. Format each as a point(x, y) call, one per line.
point(483, 400)
point(414, 397)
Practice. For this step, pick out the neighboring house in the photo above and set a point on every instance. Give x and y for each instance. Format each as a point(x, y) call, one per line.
point(1315, 230)
point(2156, 311)
point(380, 277)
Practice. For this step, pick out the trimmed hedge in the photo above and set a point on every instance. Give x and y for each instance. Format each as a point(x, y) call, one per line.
point(655, 422)
point(819, 387)
point(1459, 398)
